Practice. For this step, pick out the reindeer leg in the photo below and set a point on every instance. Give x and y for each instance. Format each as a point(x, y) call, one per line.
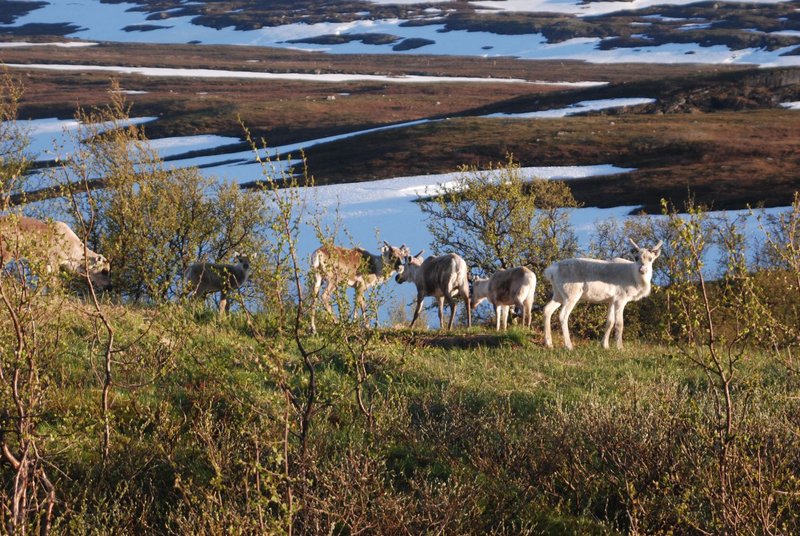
point(569, 305)
point(356, 301)
point(418, 310)
point(326, 299)
point(223, 304)
point(549, 309)
point(609, 323)
point(526, 312)
point(360, 304)
point(187, 292)
point(619, 324)
point(441, 313)
point(314, 297)
point(464, 291)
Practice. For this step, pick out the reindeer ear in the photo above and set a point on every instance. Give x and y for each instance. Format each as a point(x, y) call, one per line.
point(404, 250)
point(657, 247)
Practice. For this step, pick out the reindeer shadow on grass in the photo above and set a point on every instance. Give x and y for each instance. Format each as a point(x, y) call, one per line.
point(510, 339)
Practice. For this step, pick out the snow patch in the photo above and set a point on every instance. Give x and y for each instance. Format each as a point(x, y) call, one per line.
point(218, 73)
point(578, 108)
point(104, 22)
point(68, 44)
point(577, 7)
point(53, 137)
point(181, 144)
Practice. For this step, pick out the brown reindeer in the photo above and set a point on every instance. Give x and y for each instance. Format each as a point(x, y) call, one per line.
point(354, 267)
point(515, 286)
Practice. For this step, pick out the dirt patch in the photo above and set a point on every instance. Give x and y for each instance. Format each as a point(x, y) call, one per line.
point(726, 159)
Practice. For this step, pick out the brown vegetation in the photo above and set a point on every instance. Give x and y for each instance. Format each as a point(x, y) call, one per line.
point(741, 153)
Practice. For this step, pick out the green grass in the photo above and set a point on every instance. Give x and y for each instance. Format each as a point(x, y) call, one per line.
point(474, 432)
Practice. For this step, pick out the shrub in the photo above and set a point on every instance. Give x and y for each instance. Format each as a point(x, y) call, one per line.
point(150, 220)
point(13, 141)
point(494, 219)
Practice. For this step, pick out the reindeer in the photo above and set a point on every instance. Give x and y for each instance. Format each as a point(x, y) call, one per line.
point(203, 278)
point(514, 286)
point(444, 277)
point(56, 243)
point(614, 282)
point(355, 267)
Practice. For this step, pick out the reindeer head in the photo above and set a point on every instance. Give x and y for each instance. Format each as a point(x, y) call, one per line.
point(393, 256)
point(243, 261)
point(403, 274)
point(645, 257)
point(99, 271)
point(478, 290)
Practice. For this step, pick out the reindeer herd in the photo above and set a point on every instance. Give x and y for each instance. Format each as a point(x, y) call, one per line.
point(616, 282)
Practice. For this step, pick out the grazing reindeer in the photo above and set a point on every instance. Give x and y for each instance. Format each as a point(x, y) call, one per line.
point(444, 277)
point(515, 286)
point(615, 282)
point(204, 278)
point(23, 237)
point(356, 267)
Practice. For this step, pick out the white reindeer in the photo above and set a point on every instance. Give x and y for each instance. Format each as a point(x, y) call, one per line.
point(614, 282)
point(515, 286)
point(56, 243)
point(444, 277)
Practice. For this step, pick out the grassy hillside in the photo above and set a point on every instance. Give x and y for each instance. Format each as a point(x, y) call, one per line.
point(467, 433)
